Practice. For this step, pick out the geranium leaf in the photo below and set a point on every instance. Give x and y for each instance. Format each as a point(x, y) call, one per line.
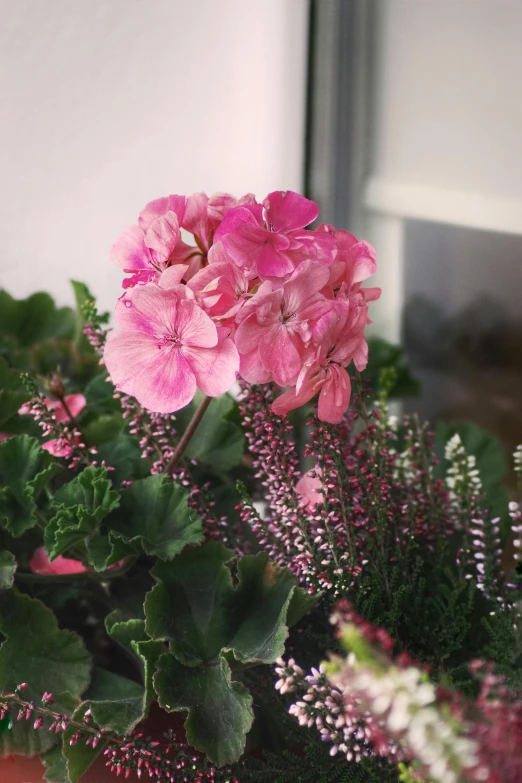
point(7, 569)
point(132, 636)
point(47, 658)
point(25, 468)
point(117, 703)
point(219, 710)
point(80, 506)
point(154, 516)
point(208, 621)
point(55, 765)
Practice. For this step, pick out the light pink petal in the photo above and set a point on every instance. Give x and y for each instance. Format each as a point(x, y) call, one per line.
point(130, 252)
point(215, 368)
point(279, 353)
point(285, 210)
point(40, 564)
point(309, 487)
point(127, 354)
point(194, 327)
point(272, 263)
point(158, 376)
point(306, 281)
point(76, 403)
point(364, 264)
point(162, 236)
point(371, 294)
point(334, 396)
point(360, 355)
point(237, 217)
point(316, 245)
point(251, 368)
point(291, 399)
point(58, 447)
point(172, 276)
point(196, 219)
point(167, 384)
point(159, 207)
point(148, 308)
point(248, 335)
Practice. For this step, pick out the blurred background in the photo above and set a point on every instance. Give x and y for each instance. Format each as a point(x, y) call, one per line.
point(401, 118)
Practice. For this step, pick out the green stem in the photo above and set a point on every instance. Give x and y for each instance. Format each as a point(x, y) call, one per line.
point(187, 435)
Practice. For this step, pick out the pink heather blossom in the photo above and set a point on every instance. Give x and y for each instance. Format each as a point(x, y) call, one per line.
point(40, 564)
point(276, 325)
point(340, 337)
point(166, 347)
point(310, 487)
point(60, 447)
point(271, 240)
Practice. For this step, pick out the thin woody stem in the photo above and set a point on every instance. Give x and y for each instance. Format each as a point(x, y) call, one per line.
point(187, 435)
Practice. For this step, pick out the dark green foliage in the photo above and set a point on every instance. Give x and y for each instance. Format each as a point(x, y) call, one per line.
point(313, 765)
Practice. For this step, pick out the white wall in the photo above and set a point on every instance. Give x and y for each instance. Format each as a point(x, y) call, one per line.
point(107, 104)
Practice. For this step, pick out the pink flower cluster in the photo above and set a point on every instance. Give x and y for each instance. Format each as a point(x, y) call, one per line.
point(256, 294)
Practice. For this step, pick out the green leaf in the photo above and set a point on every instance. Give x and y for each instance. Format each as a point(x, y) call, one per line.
point(55, 765)
point(205, 618)
point(220, 712)
point(25, 468)
point(117, 703)
point(12, 392)
point(154, 516)
point(218, 440)
point(124, 455)
point(383, 355)
point(132, 636)
point(7, 570)
point(34, 319)
point(80, 507)
point(103, 429)
point(38, 652)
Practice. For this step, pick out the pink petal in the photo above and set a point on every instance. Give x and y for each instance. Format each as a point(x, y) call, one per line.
point(251, 368)
point(215, 368)
point(291, 399)
point(148, 308)
point(159, 207)
point(162, 236)
point(285, 210)
point(130, 251)
point(334, 397)
point(58, 448)
point(76, 403)
point(309, 487)
point(40, 564)
point(279, 353)
point(194, 327)
point(308, 279)
point(172, 276)
point(159, 377)
point(238, 216)
point(196, 219)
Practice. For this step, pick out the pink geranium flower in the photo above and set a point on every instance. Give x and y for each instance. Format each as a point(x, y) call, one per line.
point(340, 336)
point(40, 564)
point(60, 447)
point(276, 323)
point(168, 346)
point(354, 263)
point(270, 240)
